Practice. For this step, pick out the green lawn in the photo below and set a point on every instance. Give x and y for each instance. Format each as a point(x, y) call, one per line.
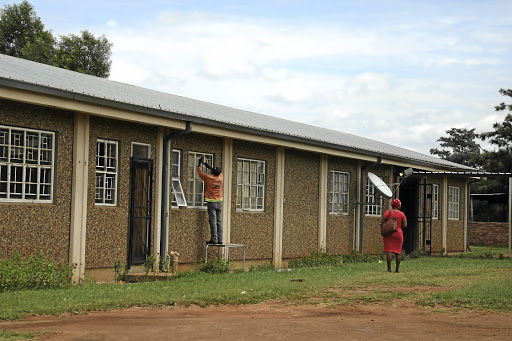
point(443, 281)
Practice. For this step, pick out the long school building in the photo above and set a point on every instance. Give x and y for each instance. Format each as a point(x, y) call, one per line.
point(94, 170)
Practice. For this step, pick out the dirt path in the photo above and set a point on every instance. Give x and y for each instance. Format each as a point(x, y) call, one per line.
point(272, 321)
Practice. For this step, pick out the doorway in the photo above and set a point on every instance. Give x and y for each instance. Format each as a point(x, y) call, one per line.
point(409, 194)
point(139, 239)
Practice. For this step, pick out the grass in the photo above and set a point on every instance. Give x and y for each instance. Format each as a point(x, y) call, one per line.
point(10, 335)
point(454, 282)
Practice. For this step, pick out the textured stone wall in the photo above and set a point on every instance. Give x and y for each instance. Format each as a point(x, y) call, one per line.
point(372, 240)
point(26, 226)
point(340, 228)
point(488, 233)
point(437, 230)
point(108, 226)
point(188, 227)
point(300, 212)
point(254, 229)
point(455, 228)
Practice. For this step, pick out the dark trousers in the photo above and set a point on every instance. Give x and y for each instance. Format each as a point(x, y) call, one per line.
point(215, 220)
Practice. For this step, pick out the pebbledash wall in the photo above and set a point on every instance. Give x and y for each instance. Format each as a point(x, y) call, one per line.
point(40, 226)
point(295, 219)
point(107, 226)
point(47, 226)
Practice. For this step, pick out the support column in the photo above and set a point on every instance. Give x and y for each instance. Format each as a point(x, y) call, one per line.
point(227, 169)
point(322, 204)
point(509, 217)
point(158, 195)
point(444, 228)
point(79, 196)
point(278, 208)
point(466, 215)
point(357, 211)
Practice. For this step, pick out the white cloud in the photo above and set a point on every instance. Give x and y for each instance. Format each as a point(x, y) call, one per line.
point(327, 74)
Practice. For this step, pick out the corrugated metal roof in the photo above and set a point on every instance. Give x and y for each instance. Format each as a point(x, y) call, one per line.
point(473, 173)
point(47, 79)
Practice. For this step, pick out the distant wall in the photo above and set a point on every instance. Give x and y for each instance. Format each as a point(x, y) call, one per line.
point(488, 233)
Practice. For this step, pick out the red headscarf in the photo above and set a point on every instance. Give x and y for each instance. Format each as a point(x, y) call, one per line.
point(396, 203)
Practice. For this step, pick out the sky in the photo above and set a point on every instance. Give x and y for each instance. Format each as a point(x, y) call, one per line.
point(400, 72)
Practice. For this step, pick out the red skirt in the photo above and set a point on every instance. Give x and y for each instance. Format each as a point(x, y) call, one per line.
point(393, 243)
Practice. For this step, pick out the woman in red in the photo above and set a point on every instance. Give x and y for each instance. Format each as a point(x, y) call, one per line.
point(393, 243)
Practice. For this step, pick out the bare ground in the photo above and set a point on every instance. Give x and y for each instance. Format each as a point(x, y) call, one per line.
point(273, 321)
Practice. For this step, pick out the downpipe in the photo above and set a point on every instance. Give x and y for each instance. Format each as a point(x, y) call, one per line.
point(165, 188)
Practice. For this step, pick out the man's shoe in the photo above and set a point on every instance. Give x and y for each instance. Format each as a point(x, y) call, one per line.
point(211, 242)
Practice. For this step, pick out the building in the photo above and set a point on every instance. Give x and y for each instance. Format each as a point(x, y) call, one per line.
point(96, 170)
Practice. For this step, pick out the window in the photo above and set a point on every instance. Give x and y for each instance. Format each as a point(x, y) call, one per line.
point(453, 202)
point(178, 196)
point(26, 165)
point(106, 172)
point(250, 185)
point(435, 201)
point(373, 200)
point(338, 192)
point(195, 192)
point(141, 150)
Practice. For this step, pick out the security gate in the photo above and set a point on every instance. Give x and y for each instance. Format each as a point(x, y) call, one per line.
point(416, 197)
point(139, 240)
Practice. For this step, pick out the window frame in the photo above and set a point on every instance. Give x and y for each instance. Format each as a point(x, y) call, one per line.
point(372, 209)
point(106, 172)
point(245, 200)
point(435, 201)
point(46, 155)
point(143, 145)
point(193, 178)
point(453, 203)
point(176, 186)
point(344, 183)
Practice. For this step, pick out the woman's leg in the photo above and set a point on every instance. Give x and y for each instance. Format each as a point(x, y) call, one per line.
point(398, 259)
point(389, 258)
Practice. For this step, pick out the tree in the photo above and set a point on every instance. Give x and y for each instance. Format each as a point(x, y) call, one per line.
point(501, 159)
point(85, 54)
point(22, 35)
point(460, 147)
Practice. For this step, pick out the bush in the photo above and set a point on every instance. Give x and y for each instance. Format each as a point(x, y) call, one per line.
point(215, 267)
point(316, 259)
point(33, 270)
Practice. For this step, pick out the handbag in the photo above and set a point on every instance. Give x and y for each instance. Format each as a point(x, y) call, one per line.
point(389, 227)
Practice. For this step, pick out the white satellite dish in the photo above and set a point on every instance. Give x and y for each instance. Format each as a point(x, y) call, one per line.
point(380, 185)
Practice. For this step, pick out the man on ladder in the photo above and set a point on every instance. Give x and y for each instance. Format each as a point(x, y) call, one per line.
point(213, 197)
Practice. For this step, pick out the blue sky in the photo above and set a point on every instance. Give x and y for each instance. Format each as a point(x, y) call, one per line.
point(361, 67)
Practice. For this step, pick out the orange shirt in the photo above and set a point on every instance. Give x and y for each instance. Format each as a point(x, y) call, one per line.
point(212, 184)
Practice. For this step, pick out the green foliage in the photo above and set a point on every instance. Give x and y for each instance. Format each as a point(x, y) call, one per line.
point(85, 54)
point(361, 257)
point(23, 35)
point(149, 264)
point(417, 253)
point(33, 270)
point(459, 147)
point(12, 335)
point(353, 283)
point(315, 259)
point(120, 271)
point(218, 266)
point(321, 258)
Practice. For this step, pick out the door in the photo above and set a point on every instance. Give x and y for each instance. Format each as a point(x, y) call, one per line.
point(416, 198)
point(139, 240)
